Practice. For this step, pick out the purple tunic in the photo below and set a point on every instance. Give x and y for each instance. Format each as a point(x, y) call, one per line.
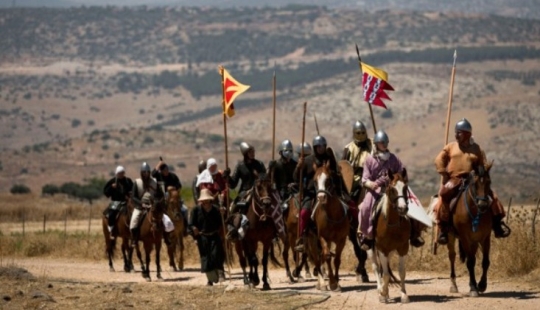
point(375, 170)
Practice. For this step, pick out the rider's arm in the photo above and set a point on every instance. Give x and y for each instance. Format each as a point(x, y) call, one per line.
point(107, 190)
point(441, 161)
point(135, 195)
point(235, 177)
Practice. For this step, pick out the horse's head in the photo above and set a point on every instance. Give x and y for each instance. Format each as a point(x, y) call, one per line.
point(262, 191)
point(480, 182)
point(323, 182)
point(397, 192)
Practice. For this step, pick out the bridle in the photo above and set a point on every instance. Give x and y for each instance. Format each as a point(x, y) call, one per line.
point(481, 202)
point(259, 201)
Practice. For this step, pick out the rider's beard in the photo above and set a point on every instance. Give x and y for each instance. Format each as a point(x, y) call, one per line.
point(384, 156)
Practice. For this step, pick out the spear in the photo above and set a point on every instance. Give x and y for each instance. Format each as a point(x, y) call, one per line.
point(435, 232)
point(316, 124)
point(301, 179)
point(274, 108)
point(369, 105)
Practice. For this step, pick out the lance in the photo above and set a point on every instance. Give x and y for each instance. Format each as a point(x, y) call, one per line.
point(369, 104)
point(274, 118)
point(226, 167)
point(435, 232)
point(301, 179)
point(316, 124)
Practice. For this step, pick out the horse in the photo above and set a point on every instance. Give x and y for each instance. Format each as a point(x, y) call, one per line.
point(472, 223)
point(177, 236)
point(291, 226)
point(151, 232)
point(122, 230)
point(330, 217)
point(392, 232)
point(261, 229)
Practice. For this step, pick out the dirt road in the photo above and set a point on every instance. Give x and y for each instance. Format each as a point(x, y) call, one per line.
point(426, 290)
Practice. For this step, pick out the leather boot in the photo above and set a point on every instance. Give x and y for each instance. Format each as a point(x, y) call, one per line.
point(185, 232)
point(500, 229)
point(135, 233)
point(416, 235)
point(442, 238)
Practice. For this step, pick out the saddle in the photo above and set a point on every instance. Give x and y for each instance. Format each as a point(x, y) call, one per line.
point(244, 200)
point(120, 206)
point(451, 191)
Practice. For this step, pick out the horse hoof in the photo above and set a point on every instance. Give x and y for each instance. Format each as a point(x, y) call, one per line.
point(473, 294)
point(404, 299)
point(482, 287)
point(301, 279)
point(111, 269)
point(148, 279)
point(383, 299)
point(308, 276)
point(453, 289)
point(266, 287)
point(337, 288)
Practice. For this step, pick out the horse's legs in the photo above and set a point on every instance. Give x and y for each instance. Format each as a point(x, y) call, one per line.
point(375, 266)
point(266, 249)
point(452, 257)
point(125, 255)
point(109, 247)
point(471, 262)
point(482, 286)
point(361, 255)
point(337, 263)
point(305, 261)
point(158, 261)
point(285, 256)
point(402, 274)
point(139, 256)
point(181, 248)
point(383, 292)
point(254, 266)
point(171, 249)
point(326, 256)
point(147, 250)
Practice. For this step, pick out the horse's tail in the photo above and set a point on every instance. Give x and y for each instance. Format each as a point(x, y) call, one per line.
point(273, 258)
point(462, 254)
point(393, 278)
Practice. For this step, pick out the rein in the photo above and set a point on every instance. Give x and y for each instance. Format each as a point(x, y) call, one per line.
point(329, 194)
point(262, 217)
point(475, 219)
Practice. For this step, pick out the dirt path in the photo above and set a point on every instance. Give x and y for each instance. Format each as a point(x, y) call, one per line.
point(426, 290)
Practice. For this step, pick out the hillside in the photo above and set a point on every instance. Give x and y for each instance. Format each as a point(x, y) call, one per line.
point(80, 87)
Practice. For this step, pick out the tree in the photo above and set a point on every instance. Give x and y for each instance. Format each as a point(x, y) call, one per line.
point(19, 189)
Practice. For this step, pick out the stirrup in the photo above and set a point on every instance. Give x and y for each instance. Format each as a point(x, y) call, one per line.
point(502, 231)
point(442, 239)
point(417, 242)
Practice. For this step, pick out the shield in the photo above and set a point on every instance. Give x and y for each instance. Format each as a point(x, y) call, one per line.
point(416, 210)
point(347, 173)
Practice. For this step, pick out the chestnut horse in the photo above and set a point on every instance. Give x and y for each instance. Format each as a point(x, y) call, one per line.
point(152, 232)
point(121, 229)
point(176, 236)
point(291, 226)
point(332, 223)
point(471, 223)
point(392, 234)
point(261, 229)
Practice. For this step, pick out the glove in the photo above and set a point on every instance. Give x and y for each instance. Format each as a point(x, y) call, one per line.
point(371, 185)
point(272, 164)
point(227, 172)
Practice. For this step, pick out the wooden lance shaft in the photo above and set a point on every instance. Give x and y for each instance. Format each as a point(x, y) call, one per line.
point(301, 178)
point(274, 115)
point(226, 167)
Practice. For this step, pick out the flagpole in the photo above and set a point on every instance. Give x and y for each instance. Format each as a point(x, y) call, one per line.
point(435, 232)
point(301, 181)
point(225, 246)
point(274, 118)
point(362, 77)
point(316, 124)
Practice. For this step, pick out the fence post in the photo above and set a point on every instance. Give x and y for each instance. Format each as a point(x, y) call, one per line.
point(44, 222)
point(89, 218)
point(508, 212)
point(65, 225)
point(533, 228)
point(23, 221)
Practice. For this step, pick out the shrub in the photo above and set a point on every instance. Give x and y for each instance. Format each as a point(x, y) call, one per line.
point(50, 189)
point(19, 189)
point(75, 123)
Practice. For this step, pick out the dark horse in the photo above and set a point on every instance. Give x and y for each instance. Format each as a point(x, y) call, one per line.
point(471, 222)
point(177, 236)
point(291, 226)
point(152, 232)
point(121, 229)
point(330, 217)
point(261, 229)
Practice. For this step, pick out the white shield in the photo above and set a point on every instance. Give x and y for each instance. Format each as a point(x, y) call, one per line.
point(416, 210)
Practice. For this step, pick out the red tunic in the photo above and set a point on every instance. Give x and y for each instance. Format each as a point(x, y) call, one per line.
point(218, 187)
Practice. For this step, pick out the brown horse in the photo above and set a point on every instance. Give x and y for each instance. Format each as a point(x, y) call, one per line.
point(121, 229)
point(152, 232)
point(291, 226)
point(471, 222)
point(332, 223)
point(177, 236)
point(261, 229)
point(392, 232)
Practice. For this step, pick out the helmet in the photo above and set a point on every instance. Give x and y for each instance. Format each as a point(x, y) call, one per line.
point(245, 147)
point(145, 167)
point(464, 125)
point(359, 131)
point(307, 149)
point(202, 166)
point(286, 149)
point(286, 145)
point(319, 140)
point(381, 136)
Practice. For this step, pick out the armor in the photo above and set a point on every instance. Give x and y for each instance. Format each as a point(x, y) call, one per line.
point(245, 147)
point(307, 149)
point(286, 149)
point(359, 132)
point(463, 125)
point(202, 166)
point(381, 137)
point(145, 167)
point(319, 141)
